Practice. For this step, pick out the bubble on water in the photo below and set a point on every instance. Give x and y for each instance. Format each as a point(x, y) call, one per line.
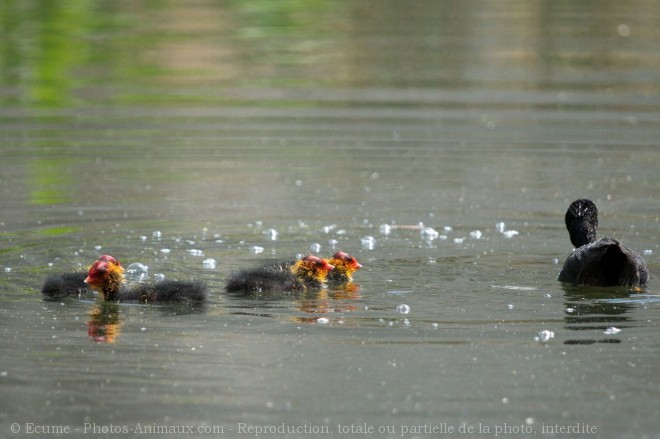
point(323, 320)
point(500, 227)
point(159, 276)
point(429, 233)
point(368, 242)
point(255, 249)
point(555, 261)
point(569, 310)
point(510, 306)
point(544, 335)
point(137, 271)
point(406, 323)
point(403, 309)
point(196, 252)
point(143, 238)
point(435, 325)
point(385, 229)
point(611, 330)
point(137, 268)
point(459, 240)
point(165, 250)
point(315, 247)
point(476, 234)
point(547, 295)
point(271, 234)
point(330, 228)
point(647, 252)
point(333, 243)
point(157, 234)
point(510, 233)
point(97, 247)
point(7, 269)
point(209, 263)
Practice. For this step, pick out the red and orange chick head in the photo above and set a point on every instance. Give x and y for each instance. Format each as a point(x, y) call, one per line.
point(110, 260)
point(106, 278)
point(345, 265)
point(313, 268)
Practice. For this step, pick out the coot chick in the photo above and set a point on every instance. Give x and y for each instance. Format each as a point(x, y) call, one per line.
point(604, 262)
point(345, 265)
point(61, 285)
point(108, 279)
point(307, 273)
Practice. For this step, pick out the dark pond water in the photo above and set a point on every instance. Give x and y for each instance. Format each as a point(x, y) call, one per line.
point(180, 135)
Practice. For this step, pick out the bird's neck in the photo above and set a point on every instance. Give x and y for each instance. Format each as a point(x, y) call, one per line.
point(112, 286)
point(306, 273)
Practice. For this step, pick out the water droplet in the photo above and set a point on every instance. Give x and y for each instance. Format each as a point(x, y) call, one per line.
point(196, 252)
point(137, 267)
point(510, 306)
point(476, 234)
point(315, 247)
point(165, 250)
point(159, 276)
point(500, 227)
point(647, 252)
point(459, 240)
point(569, 310)
point(611, 331)
point(435, 325)
point(547, 295)
point(255, 249)
point(429, 233)
point(97, 247)
point(157, 234)
point(368, 242)
point(7, 269)
point(385, 229)
point(209, 263)
point(330, 228)
point(403, 309)
point(323, 320)
point(544, 335)
point(510, 233)
point(271, 234)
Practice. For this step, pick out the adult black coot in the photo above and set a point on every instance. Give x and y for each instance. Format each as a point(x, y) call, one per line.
point(604, 262)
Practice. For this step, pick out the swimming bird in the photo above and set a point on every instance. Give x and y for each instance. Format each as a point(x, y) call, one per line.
point(345, 265)
point(108, 279)
point(307, 273)
point(603, 262)
point(61, 285)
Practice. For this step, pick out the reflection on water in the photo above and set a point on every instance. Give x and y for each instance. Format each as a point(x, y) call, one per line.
point(591, 309)
point(169, 133)
point(104, 323)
